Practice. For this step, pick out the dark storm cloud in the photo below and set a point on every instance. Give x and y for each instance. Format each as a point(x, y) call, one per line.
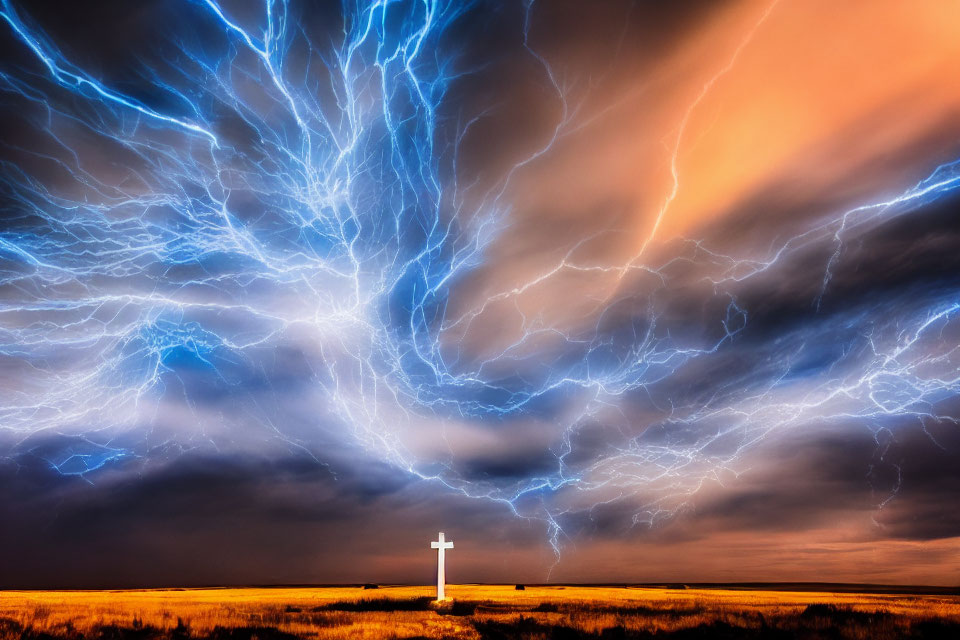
point(926, 478)
point(507, 465)
point(808, 483)
point(914, 256)
point(203, 520)
point(902, 479)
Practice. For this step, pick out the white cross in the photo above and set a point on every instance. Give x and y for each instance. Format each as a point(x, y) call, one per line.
point(440, 545)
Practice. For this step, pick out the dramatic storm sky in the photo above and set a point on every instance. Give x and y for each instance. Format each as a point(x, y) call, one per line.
point(608, 291)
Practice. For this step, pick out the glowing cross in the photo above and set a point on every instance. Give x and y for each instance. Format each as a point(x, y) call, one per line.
point(440, 545)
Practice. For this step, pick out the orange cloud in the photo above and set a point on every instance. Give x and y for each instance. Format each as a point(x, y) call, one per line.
point(803, 107)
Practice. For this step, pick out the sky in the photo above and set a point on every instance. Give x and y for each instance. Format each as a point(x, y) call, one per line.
point(624, 291)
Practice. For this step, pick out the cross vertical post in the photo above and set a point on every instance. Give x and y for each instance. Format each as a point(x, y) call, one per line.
point(441, 545)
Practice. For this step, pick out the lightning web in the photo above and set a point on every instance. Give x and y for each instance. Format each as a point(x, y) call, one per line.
point(265, 254)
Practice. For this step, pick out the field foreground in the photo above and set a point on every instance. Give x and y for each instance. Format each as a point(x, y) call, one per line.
point(472, 611)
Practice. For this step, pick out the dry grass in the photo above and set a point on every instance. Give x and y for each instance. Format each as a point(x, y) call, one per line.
point(472, 612)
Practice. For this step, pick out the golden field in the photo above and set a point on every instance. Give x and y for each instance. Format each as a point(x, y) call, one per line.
point(472, 611)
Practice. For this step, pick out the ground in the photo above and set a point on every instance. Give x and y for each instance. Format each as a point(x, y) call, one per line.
point(474, 612)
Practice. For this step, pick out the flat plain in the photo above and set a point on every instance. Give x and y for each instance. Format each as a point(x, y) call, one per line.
point(475, 612)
